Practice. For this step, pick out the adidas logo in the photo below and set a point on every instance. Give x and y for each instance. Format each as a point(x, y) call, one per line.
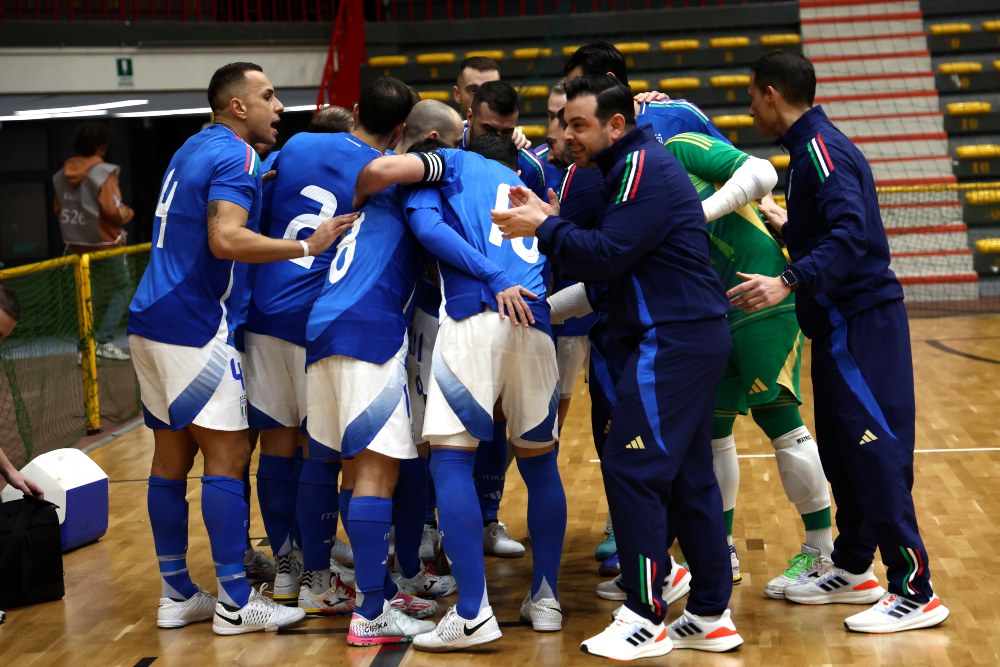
point(636, 444)
point(607, 427)
point(757, 387)
point(868, 437)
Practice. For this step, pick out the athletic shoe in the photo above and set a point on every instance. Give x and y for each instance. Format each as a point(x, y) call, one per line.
point(288, 579)
point(178, 613)
point(799, 567)
point(608, 547)
point(342, 553)
point(610, 566)
point(675, 586)
point(454, 632)
point(259, 613)
point(545, 615)
point(109, 350)
point(345, 573)
point(691, 631)
point(831, 584)
point(391, 627)
point(430, 543)
point(258, 566)
point(497, 542)
point(425, 584)
point(895, 613)
point(413, 606)
point(735, 562)
point(629, 636)
point(337, 601)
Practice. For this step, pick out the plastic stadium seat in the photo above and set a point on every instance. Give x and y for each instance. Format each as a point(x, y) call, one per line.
point(996, 65)
point(638, 85)
point(436, 58)
point(971, 67)
point(488, 53)
point(779, 161)
point(991, 26)
point(680, 45)
point(388, 61)
point(534, 132)
point(734, 121)
point(977, 151)
point(532, 53)
point(969, 108)
point(784, 39)
point(680, 83)
point(532, 91)
point(988, 246)
point(632, 47)
point(567, 51)
point(780, 200)
point(439, 95)
point(950, 29)
point(730, 81)
point(729, 42)
point(983, 197)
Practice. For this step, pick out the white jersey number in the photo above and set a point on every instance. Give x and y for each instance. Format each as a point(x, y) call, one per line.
point(345, 252)
point(163, 205)
point(328, 208)
point(521, 249)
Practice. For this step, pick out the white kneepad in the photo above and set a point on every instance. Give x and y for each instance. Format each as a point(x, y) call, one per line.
point(801, 471)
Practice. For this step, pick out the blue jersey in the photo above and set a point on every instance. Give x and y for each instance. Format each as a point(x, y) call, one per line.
point(532, 169)
point(316, 177)
point(471, 186)
point(185, 292)
point(672, 117)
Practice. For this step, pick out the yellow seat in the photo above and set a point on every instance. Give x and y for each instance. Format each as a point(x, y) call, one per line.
point(991, 26)
point(983, 197)
point(532, 91)
point(532, 53)
point(730, 81)
point(950, 29)
point(996, 64)
point(680, 83)
point(569, 50)
point(960, 68)
point(784, 39)
point(729, 42)
point(638, 85)
point(780, 200)
point(680, 45)
point(534, 132)
point(969, 108)
point(988, 246)
point(779, 161)
point(436, 58)
point(495, 54)
point(439, 95)
point(632, 47)
point(731, 122)
point(388, 61)
point(977, 152)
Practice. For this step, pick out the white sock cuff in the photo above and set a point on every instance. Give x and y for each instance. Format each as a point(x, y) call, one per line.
point(722, 444)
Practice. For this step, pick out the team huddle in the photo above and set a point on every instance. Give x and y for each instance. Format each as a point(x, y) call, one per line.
point(404, 295)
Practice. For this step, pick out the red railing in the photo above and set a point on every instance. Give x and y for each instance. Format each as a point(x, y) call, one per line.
point(415, 10)
point(169, 10)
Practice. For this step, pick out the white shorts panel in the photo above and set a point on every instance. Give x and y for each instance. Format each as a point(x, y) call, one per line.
point(422, 337)
point(276, 380)
point(572, 353)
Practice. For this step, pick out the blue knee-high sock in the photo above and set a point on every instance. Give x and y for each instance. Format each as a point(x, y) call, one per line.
point(408, 507)
point(368, 528)
point(247, 492)
point(546, 520)
point(430, 515)
point(276, 495)
point(168, 517)
point(491, 470)
point(344, 502)
point(461, 525)
point(225, 512)
point(335, 466)
point(296, 472)
point(314, 511)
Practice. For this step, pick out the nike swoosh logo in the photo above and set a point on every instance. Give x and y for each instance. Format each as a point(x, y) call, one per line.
point(471, 631)
point(234, 621)
point(558, 611)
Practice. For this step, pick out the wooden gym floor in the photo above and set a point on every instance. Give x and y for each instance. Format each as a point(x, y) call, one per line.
point(109, 612)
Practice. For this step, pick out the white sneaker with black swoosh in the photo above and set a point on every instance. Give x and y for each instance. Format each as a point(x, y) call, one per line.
point(259, 613)
point(454, 632)
point(545, 614)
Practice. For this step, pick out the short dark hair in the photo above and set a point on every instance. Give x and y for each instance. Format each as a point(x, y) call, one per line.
point(613, 96)
point(331, 119)
point(384, 103)
point(496, 147)
point(426, 145)
point(224, 80)
point(789, 73)
point(480, 63)
point(9, 303)
point(499, 96)
point(89, 137)
point(596, 58)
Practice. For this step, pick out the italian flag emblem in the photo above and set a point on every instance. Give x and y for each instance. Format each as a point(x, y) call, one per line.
point(820, 158)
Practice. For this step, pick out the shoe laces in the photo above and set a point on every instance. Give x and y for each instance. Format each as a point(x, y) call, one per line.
point(799, 564)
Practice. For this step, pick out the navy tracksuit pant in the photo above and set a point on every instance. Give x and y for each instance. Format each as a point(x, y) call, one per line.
point(657, 465)
point(862, 375)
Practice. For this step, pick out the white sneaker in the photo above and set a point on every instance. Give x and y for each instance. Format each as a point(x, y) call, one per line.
point(425, 584)
point(832, 584)
point(691, 631)
point(799, 568)
point(497, 542)
point(545, 615)
point(288, 579)
point(413, 606)
point(336, 601)
point(629, 636)
point(258, 566)
point(675, 586)
point(259, 613)
point(341, 552)
point(391, 627)
point(109, 350)
point(894, 613)
point(177, 613)
point(430, 543)
point(345, 573)
point(454, 632)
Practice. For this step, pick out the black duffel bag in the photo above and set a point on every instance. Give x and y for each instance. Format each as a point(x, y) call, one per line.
point(31, 569)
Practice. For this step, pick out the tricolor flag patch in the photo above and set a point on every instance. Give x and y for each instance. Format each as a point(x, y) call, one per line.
point(820, 158)
point(252, 164)
point(632, 176)
point(564, 183)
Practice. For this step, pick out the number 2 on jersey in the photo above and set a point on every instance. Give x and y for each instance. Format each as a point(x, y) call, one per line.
point(521, 249)
point(328, 208)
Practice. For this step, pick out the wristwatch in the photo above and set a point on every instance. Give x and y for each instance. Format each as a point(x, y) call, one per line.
point(789, 280)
